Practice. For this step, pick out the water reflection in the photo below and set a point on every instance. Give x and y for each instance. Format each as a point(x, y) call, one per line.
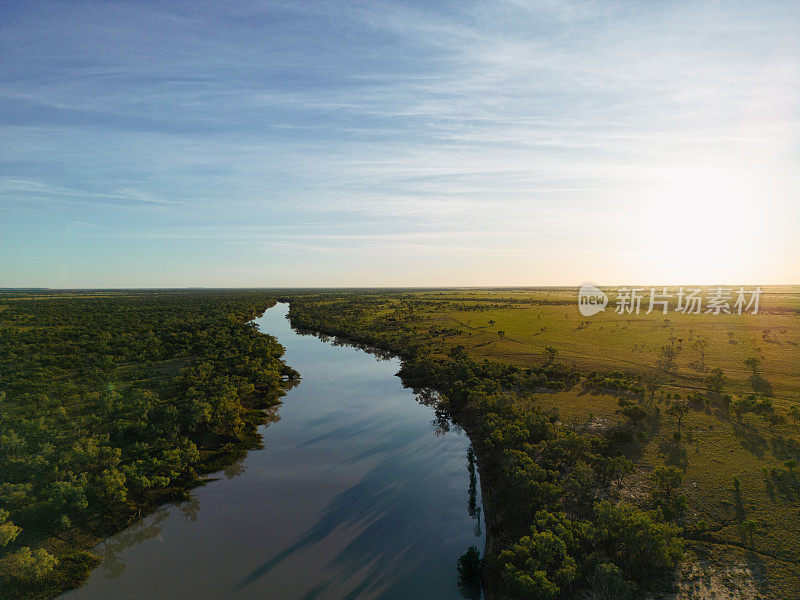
point(442, 422)
point(472, 504)
point(337, 341)
point(235, 469)
point(382, 506)
point(352, 497)
point(109, 551)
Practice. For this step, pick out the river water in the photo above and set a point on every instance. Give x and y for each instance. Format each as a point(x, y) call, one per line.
point(358, 493)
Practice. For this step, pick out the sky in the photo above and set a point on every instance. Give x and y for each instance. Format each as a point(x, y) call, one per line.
point(228, 144)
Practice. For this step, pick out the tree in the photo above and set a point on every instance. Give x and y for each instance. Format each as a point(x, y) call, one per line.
point(752, 364)
point(665, 482)
point(652, 382)
point(715, 380)
point(607, 582)
point(669, 354)
point(775, 419)
point(8, 531)
point(538, 566)
point(469, 573)
point(457, 352)
point(644, 548)
point(30, 565)
point(550, 353)
point(742, 406)
point(749, 529)
point(794, 411)
point(635, 413)
point(700, 345)
point(678, 410)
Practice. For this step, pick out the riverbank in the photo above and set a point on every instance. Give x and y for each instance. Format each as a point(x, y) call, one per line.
point(121, 415)
point(490, 588)
point(545, 482)
point(357, 493)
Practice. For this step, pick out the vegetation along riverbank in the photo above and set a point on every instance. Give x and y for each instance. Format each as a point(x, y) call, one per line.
point(620, 456)
point(112, 403)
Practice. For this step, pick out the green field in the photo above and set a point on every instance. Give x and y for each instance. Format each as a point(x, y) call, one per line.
point(742, 524)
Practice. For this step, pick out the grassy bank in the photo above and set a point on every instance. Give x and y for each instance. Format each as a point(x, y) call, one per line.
point(710, 453)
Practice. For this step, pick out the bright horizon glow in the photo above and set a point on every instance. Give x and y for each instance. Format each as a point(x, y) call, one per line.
point(704, 225)
point(281, 144)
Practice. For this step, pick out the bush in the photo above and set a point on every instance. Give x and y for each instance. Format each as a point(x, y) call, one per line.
point(608, 583)
point(538, 567)
point(645, 549)
point(29, 565)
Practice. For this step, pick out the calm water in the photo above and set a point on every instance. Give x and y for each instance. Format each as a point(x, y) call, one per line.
point(356, 494)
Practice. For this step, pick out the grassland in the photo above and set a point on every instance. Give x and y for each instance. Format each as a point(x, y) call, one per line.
point(742, 526)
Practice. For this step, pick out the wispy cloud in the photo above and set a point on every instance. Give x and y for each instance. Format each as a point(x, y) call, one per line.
point(181, 122)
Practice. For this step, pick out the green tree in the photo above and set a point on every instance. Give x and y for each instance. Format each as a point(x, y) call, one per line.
point(8, 531)
point(752, 363)
point(538, 566)
point(469, 573)
point(665, 481)
point(700, 345)
point(29, 565)
point(715, 381)
point(794, 411)
point(774, 419)
point(742, 406)
point(635, 413)
point(668, 355)
point(644, 548)
point(653, 382)
point(608, 583)
point(550, 353)
point(457, 352)
point(679, 411)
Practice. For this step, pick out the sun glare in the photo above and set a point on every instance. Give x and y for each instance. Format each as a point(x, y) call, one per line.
point(702, 225)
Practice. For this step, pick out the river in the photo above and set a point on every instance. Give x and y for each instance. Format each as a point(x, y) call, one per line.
point(358, 493)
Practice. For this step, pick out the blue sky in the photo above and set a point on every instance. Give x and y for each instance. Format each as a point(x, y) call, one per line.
point(385, 143)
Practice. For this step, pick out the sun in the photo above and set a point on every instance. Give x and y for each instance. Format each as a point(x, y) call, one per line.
point(701, 225)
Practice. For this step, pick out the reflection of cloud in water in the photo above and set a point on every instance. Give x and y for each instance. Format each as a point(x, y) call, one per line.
point(352, 429)
point(390, 509)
